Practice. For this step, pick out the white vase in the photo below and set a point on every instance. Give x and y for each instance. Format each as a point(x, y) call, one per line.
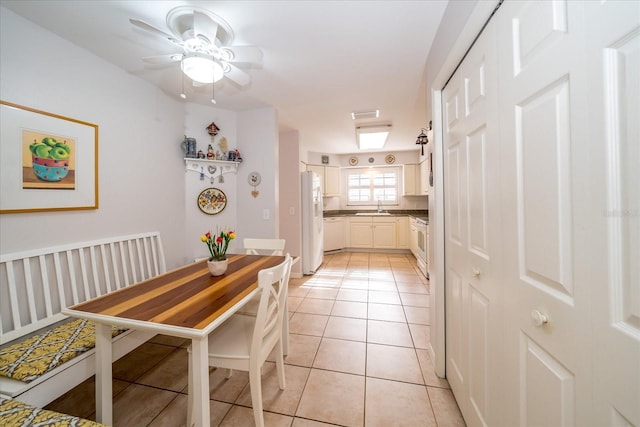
point(217, 268)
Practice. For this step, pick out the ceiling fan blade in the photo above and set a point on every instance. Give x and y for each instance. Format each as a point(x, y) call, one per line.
point(205, 26)
point(163, 59)
point(243, 54)
point(148, 27)
point(236, 75)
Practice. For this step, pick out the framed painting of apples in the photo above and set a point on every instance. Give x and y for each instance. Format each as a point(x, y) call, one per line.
point(48, 162)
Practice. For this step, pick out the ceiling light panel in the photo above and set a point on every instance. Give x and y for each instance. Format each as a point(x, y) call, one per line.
point(373, 114)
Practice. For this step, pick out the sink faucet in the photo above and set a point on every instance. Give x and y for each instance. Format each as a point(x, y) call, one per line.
point(379, 206)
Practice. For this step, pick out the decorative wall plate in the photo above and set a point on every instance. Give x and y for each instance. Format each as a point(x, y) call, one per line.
point(254, 179)
point(390, 159)
point(212, 201)
point(353, 161)
point(371, 160)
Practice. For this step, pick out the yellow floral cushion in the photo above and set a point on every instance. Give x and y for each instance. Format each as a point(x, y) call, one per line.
point(29, 359)
point(18, 414)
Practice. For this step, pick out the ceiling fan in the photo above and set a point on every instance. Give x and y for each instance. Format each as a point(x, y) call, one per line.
point(206, 43)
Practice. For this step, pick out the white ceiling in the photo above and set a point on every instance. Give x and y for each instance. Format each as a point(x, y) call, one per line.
point(321, 59)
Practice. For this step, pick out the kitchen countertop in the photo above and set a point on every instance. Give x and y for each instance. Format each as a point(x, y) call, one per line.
point(422, 215)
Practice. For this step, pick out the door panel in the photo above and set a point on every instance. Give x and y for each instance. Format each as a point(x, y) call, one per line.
point(472, 229)
point(614, 65)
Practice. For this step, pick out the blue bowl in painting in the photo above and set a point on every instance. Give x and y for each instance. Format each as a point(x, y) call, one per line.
point(50, 173)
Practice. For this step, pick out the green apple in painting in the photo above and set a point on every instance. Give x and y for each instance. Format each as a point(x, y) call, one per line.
point(58, 153)
point(42, 150)
point(49, 141)
point(64, 146)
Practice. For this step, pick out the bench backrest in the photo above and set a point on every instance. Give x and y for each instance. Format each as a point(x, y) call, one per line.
point(36, 285)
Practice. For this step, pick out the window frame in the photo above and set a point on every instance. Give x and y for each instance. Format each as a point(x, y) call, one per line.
point(373, 172)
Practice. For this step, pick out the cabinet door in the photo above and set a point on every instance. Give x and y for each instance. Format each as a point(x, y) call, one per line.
point(384, 235)
point(424, 178)
point(409, 180)
point(360, 233)
point(331, 181)
point(402, 233)
point(413, 237)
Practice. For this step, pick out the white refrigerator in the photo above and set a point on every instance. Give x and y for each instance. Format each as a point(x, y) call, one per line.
point(312, 231)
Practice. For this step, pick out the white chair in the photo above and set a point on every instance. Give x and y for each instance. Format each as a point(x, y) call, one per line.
point(264, 246)
point(244, 342)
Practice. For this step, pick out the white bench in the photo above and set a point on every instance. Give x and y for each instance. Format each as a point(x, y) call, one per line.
point(36, 285)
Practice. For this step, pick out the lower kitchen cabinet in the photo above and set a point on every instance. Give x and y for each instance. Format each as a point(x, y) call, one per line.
point(402, 232)
point(376, 232)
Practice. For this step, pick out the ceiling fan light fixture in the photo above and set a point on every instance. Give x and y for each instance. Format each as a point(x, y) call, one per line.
point(202, 68)
point(372, 137)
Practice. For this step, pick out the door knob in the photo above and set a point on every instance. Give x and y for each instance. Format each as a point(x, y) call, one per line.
point(539, 318)
point(476, 273)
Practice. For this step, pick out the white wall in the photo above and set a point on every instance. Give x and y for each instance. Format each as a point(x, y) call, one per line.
point(290, 196)
point(142, 177)
point(196, 120)
point(141, 172)
point(258, 144)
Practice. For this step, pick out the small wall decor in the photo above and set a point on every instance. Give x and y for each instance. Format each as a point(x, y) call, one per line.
point(49, 162)
point(254, 180)
point(371, 160)
point(390, 159)
point(213, 130)
point(325, 160)
point(353, 161)
point(212, 201)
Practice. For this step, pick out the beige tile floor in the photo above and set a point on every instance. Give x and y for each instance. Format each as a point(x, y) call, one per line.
point(358, 357)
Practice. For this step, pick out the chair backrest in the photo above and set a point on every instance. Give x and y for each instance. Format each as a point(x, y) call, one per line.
point(273, 284)
point(264, 246)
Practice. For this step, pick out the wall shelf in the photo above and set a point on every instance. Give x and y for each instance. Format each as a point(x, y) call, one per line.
point(211, 168)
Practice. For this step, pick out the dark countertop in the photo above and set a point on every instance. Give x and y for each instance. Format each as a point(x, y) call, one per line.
point(418, 214)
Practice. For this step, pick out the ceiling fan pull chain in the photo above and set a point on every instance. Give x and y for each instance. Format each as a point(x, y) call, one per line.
point(213, 92)
point(182, 94)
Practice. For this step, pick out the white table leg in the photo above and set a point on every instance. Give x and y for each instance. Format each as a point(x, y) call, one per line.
point(104, 397)
point(200, 380)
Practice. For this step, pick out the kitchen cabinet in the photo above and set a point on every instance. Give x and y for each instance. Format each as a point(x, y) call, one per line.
point(402, 232)
point(413, 237)
point(373, 232)
point(360, 234)
point(384, 233)
point(333, 233)
point(330, 178)
point(423, 185)
point(410, 180)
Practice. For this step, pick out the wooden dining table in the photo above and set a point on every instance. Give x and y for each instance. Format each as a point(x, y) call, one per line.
point(186, 302)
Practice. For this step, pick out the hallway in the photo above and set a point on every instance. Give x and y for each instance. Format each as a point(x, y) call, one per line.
point(359, 330)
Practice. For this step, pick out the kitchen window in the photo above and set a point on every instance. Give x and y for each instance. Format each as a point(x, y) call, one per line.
point(365, 186)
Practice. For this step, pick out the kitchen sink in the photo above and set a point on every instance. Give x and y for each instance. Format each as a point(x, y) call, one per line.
point(373, 214)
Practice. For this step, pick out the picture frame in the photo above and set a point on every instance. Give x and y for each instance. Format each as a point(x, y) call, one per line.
point(48, 162)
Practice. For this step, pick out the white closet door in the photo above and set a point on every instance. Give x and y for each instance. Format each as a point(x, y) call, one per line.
point(472, 233)
point(547, 204)
point(613, 49)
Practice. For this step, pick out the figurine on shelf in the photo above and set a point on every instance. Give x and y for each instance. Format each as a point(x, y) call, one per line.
point(238, 158)
point(201, 154)
point(210, 153)
point(231, 156)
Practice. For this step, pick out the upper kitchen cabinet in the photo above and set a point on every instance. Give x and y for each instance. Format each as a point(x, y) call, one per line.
point(330, 178)
point(410, 180)
point(415, 179)
point(423, 185)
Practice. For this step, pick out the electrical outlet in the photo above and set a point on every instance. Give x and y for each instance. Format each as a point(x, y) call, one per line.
point(292, 210)
point(265, 214)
